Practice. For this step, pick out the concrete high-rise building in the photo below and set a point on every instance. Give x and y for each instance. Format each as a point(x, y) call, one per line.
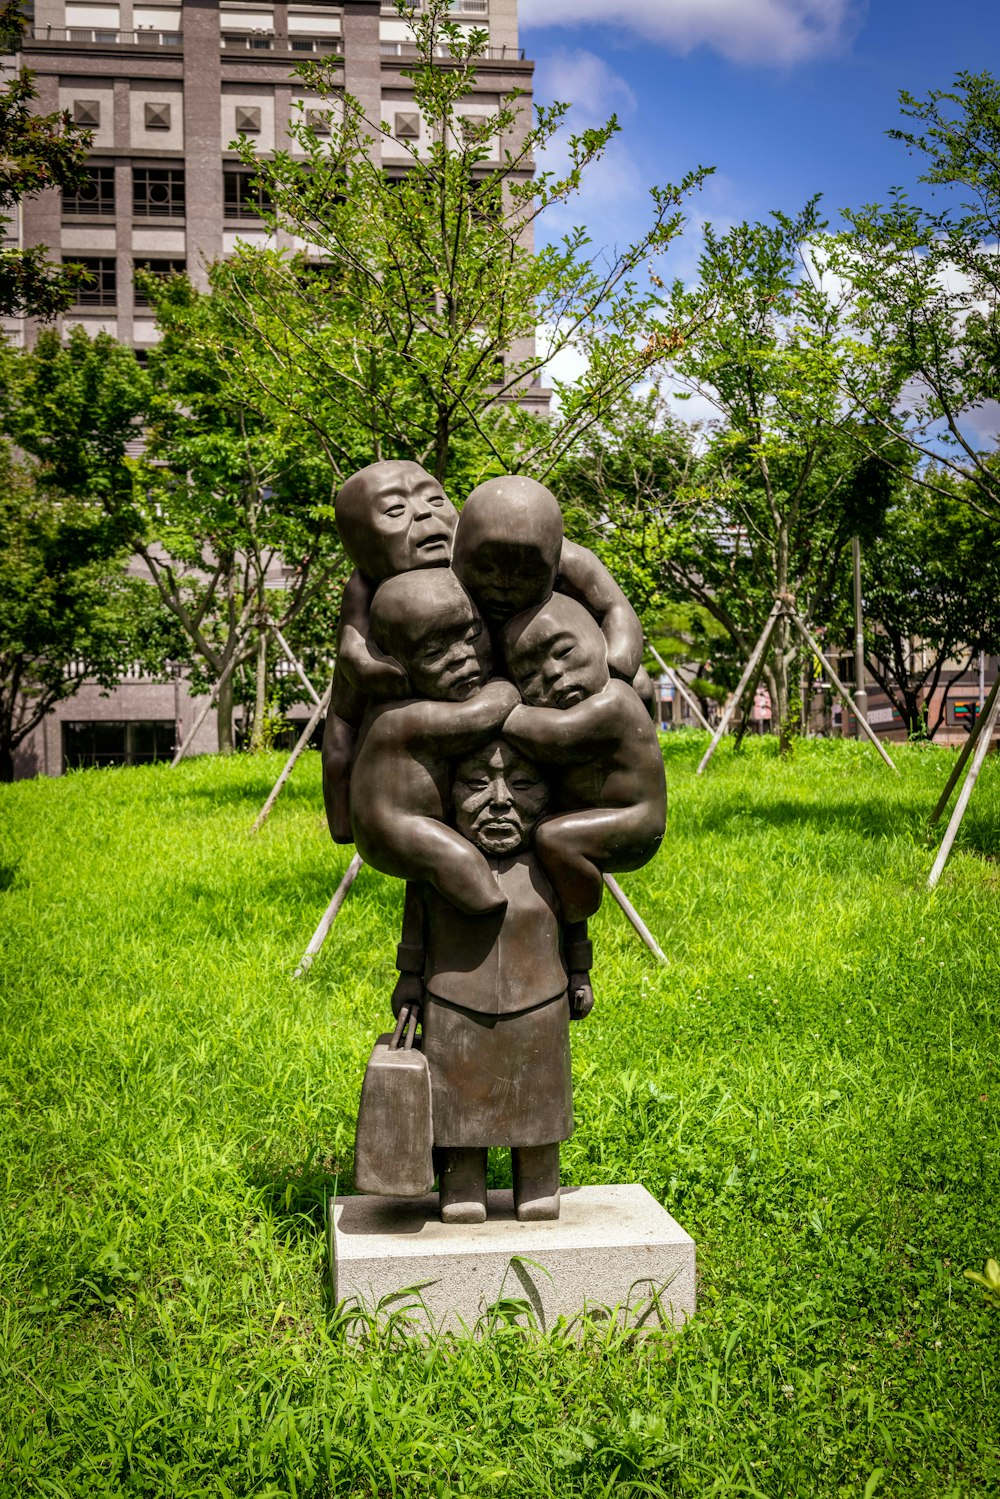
point(165, 88)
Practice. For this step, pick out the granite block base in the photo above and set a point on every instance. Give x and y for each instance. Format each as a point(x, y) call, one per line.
point(613, 1251)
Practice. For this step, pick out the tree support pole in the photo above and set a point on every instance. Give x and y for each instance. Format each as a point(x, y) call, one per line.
point(329, 917)
point(839, 687)
point(321, 706)
point(750, 694)
point(675, 677)
point(213, 695)
point(982, 749)
point(967, 749)
point(286, 648)
point(635, 918)
point(756, 658)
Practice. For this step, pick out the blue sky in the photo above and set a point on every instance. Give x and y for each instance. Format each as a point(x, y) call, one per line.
point(784, 98)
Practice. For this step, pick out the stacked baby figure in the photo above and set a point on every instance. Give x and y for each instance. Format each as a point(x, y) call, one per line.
point(489, 742)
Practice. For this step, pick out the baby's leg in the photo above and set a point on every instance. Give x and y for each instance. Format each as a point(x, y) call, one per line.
point(566, 848)
point(420, 848)
point(576, 849)
point(343, 719)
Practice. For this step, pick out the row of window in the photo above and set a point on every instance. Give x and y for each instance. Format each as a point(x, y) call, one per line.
point(101, 286)
point(159, 193)
point(140, 742)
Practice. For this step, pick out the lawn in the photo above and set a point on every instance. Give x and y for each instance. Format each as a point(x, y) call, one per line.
point(809, 1085)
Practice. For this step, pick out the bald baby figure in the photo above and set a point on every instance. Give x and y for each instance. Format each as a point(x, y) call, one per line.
point(400, 785)
point(596, 735)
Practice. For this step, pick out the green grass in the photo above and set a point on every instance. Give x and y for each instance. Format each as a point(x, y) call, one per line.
point(809, 1086)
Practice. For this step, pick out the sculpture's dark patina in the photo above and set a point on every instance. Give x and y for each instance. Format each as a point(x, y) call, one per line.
point(487, 744)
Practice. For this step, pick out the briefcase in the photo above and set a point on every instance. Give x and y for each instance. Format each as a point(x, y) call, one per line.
point(393, 1144)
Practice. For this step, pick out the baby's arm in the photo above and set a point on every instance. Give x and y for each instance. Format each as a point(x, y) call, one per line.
point(458, 728)
point(363, 664)
point(566, 736)
point(583, 578)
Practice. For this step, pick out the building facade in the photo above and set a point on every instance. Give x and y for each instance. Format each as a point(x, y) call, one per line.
point(165, 89)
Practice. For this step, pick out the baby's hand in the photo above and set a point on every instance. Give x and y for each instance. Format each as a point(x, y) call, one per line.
point(501, 694)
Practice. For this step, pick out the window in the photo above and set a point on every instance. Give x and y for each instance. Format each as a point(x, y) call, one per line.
point(157, 116)
point(100, 288)
point(94, 194)
point(247, 119)
point(241, 199)
point(161, 268)
point(318, 121)
point(87, 112)
point(158, 192)
point(117, 743)
point(407, 127)
point(257, 41)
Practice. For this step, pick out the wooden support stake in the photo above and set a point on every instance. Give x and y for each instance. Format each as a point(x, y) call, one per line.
point(967, 749)
point(982, 749)
point(686, 694)
point(839, 687)
point(289, 765)
point(216, 689)
point(283, 643)
point(635, 918)
point(757, 655)
point(329, 917)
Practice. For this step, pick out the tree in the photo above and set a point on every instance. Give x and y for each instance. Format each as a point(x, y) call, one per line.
point(68, 612)
point(216, 501)
point(36, 152)
point(932, 593)
point(925, 284)
point(413, 333)
point(784, 481)
point(227, 497)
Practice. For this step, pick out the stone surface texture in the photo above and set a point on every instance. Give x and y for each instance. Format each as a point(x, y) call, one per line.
point(612, 1247)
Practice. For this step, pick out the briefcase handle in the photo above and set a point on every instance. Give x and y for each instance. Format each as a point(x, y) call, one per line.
point(409, 1019)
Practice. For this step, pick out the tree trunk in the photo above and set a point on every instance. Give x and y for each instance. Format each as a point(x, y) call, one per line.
point(224, 708)
point(781, 708)
point(6, 764)
point(260, 694)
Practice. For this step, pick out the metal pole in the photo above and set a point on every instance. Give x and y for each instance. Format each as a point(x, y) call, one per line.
point(679, 686)
point(860, 689)
point(839, 687)
point(982, 748)
point(329, 916)
point(751, 666)
point(967, 749)
point(635, 918)
point(296, 664)
point(289, 765)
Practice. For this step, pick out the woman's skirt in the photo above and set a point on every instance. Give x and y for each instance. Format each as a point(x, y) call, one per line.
point(499, 1079)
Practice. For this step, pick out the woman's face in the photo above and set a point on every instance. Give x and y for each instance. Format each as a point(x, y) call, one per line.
point(498, 797)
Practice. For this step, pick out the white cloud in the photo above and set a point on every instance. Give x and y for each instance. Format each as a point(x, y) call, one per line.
point(745, 31)
point(585, 81)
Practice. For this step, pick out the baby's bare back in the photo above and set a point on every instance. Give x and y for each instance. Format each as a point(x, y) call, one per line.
point(394, 775)
point(625, 768)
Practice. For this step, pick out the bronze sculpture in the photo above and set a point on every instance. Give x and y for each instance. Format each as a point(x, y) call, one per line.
point(501, 802)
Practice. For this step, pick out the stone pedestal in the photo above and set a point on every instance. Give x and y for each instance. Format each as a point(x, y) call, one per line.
point(612, 1249)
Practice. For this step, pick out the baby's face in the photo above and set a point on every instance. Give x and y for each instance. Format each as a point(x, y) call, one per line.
point(505, 578)
point(412, 521)
point(554, 668)
point(451, 660)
